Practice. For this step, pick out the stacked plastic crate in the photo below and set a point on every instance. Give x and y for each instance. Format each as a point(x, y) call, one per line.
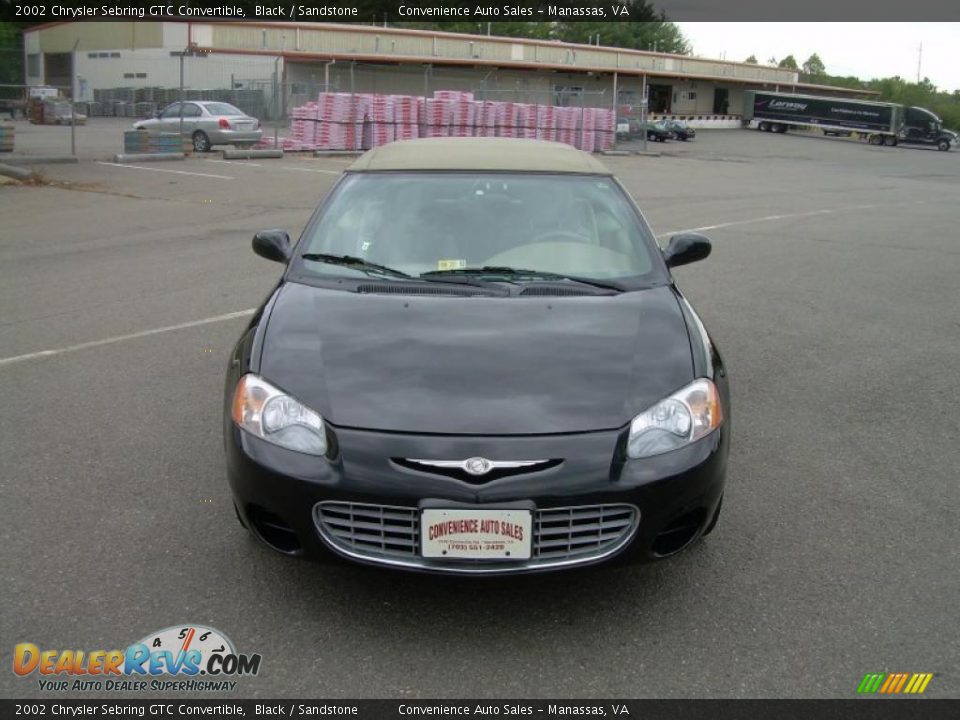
point(379, 126)
point(606, 128)
point(525, 119)
point(568, 119)
point(505, 115)
point(340, 120)
point(435, 118)
point(406, 117)
point(546, 122)
point(588, 130)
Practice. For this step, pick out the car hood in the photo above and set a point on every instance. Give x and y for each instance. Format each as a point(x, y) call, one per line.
point(476, 365)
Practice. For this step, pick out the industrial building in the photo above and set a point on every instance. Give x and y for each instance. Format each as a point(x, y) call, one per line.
point(279, 65)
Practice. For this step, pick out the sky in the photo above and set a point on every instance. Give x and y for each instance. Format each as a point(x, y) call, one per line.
point(867, 50)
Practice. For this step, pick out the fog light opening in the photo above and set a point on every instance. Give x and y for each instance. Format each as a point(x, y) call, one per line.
point(273, 530)
point(678, 534)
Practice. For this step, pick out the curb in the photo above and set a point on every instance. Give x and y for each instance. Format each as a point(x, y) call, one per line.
point(647, 153)
point(15, 172)
point(337, 153)
point(146, 157)
point(251, 154)
point(52, 160)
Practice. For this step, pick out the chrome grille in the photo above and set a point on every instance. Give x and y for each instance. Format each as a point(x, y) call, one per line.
point(374, 531)
point(391, 535)
point(566, 533)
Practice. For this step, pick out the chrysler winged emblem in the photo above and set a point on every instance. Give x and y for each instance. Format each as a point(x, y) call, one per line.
point(477, 466)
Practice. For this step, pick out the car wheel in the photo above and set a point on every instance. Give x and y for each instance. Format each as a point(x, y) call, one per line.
point(876, 140)
point(943, 145)
point(201, 143)
point(764, 127)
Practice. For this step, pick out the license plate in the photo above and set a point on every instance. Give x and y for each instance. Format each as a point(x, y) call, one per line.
point(475, 534)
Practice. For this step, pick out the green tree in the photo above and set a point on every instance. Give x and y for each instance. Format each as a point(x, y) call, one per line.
point(752, 59)
point(11, 58)
point(789, 62)
point(814, 66)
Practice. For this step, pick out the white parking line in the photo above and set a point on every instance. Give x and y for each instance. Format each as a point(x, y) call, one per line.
point(176, 172)
point(244, 163)
point(771, 218)
point(235, 162)
point(313, 170)
point(121, 338)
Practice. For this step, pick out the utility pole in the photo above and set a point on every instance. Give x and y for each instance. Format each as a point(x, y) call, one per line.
point(919, 59)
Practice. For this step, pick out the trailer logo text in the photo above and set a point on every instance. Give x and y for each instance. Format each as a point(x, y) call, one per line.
point(787, 105)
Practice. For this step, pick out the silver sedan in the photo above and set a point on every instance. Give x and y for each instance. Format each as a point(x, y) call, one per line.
point(207, 124)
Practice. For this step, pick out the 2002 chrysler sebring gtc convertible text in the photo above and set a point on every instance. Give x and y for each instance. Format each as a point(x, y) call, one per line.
point(476, 361)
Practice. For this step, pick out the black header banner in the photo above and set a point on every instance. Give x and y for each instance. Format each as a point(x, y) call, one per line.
point(400, 11)
point(886, 709)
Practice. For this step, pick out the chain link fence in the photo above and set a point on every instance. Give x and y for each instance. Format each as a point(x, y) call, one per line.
point(113, 90)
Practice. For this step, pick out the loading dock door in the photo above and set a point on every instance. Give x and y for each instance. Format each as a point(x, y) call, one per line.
point(721, 101)
point(58, 70)
point(660, 97)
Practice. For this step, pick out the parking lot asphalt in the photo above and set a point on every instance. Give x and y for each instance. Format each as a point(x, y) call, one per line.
point(832, 291)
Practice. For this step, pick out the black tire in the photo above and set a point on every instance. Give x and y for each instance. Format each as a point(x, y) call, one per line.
point(781, 128)
point(201, 143)
point(764, 127)
point(876, 140)
point(889, 140)
point(943, 145)
point(239, 519)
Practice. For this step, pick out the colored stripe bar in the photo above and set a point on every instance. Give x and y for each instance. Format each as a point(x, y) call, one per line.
point(870, 683)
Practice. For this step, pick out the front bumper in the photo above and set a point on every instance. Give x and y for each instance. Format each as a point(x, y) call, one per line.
point(637, 509)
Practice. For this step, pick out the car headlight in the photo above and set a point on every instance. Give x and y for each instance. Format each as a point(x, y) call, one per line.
point(272, 415)
point(686, 416)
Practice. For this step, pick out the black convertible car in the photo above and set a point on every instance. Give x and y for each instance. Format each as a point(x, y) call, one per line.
point(477, 361)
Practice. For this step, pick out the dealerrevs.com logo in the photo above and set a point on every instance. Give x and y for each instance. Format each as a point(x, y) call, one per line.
point(178, 658)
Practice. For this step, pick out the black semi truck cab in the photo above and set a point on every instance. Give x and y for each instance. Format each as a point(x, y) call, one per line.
point(922, 127)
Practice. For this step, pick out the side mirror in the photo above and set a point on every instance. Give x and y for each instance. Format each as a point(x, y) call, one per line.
point(686, 248)
point(272, 245)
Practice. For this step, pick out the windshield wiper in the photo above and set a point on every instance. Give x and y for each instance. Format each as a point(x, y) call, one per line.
point(532, 274)
point(353, 262)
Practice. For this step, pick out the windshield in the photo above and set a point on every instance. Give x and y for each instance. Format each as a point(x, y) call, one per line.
point(424, 222)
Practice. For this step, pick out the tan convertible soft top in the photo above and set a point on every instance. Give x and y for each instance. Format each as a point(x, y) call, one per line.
point(479, 153)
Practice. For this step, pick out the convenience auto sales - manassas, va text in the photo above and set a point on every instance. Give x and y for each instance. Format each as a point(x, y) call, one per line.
point(493, 11)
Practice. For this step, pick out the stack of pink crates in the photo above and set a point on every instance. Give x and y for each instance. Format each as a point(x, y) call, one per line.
point(359, 121)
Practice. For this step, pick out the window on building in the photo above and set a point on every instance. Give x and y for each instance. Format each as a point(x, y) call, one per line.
point(128, 76)
point(692, 95)
point(141, 75)
point(104, 55)
point(114, 54)
point(91, 55)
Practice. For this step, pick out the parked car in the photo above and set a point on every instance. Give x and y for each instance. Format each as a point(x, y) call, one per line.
point(658, 131)
point(207, 124)
point(477, 361)
point(680, 129)
point(629, 129)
